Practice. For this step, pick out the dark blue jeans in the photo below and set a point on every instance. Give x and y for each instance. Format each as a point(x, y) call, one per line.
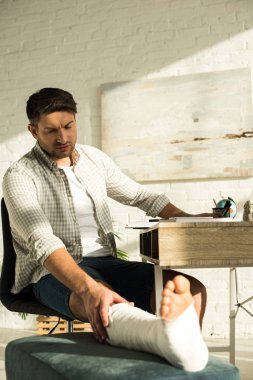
point(132, 280)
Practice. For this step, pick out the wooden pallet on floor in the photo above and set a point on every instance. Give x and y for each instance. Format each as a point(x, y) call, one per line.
point(45, 324)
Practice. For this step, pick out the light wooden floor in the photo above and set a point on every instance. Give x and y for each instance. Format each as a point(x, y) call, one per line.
point(244, 352)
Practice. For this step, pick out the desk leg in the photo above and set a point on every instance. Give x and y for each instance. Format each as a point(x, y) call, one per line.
point(232, 314)
point(158, 288)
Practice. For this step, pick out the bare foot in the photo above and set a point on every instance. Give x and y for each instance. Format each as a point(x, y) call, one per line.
point(176, 297)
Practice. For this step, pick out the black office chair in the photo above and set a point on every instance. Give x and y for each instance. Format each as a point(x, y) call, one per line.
point(24, 302)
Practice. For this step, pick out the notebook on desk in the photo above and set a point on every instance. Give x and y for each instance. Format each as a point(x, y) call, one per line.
point(188, 219)
point(141, 224)
point(198, 219)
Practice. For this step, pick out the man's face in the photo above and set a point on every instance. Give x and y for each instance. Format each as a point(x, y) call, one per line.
point(56, 134)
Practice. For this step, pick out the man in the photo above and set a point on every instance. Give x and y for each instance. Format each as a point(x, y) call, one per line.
point(56, 196)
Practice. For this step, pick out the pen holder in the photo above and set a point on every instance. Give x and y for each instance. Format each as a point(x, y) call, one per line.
point(231, 212)
point(220, 211)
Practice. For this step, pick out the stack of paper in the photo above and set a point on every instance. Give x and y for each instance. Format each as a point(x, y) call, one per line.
point(183, 219)
point(141, 224)
point(199, 219)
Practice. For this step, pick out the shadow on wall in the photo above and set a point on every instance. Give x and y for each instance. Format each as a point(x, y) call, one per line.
point(79, 46)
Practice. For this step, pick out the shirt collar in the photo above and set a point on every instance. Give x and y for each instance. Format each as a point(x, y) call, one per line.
point(46, 160)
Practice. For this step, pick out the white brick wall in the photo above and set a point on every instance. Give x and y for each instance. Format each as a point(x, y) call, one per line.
point(80, 44)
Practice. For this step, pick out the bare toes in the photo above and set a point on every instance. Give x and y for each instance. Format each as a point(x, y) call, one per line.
point(164, 311)
point(170, 286)
point(181, 284)
point(176, 297)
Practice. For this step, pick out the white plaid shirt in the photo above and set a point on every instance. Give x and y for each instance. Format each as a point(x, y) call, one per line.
point(41, 207)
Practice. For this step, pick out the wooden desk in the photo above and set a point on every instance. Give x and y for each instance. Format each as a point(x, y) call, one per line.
point(200, 245)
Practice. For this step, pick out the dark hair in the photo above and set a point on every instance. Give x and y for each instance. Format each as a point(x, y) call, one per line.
point(49, 100)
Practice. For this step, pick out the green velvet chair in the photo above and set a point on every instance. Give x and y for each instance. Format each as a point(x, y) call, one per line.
point(78, 356)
